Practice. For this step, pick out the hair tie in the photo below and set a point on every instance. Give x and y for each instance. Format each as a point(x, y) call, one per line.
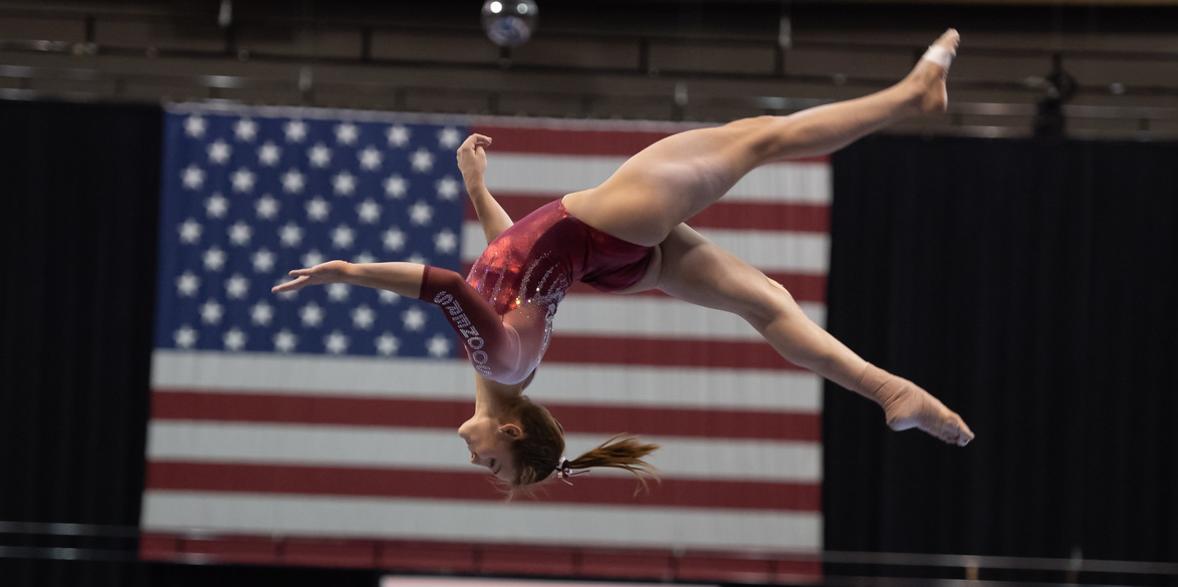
point(564, 470)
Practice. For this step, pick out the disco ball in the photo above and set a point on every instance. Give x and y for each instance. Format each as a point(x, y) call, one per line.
point(509, 23)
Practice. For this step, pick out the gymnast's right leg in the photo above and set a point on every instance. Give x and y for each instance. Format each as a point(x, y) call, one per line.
point(678, 176)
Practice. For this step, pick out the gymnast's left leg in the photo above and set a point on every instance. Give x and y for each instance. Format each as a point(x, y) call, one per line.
point(696, 270)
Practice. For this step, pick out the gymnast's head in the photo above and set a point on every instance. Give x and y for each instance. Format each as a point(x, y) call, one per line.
point(522, 444)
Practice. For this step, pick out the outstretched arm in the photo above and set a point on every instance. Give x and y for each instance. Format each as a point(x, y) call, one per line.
point(472, 162)
point(400, 278)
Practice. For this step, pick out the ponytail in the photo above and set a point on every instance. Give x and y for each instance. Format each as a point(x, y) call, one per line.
point(538, 454)
point(622, 451)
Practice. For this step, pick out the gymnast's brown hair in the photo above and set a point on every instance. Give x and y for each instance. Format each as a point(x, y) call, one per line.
point(538, 453)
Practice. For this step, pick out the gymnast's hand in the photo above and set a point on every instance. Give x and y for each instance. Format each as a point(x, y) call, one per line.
point(472, 159)
point(329, 272)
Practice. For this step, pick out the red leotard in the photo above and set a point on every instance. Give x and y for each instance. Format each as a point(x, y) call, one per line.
point(503, 310)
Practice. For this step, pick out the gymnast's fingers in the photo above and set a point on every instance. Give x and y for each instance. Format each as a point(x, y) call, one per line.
point(292, 285)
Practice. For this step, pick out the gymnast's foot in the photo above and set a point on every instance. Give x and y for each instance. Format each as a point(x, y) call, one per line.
point(906, 405)
point(927, 79)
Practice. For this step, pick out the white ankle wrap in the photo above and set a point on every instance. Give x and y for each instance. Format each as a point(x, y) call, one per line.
point(939, 55)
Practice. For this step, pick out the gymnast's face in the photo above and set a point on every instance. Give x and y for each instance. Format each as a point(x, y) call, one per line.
point(489, 443)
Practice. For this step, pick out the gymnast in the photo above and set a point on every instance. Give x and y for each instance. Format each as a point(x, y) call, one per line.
point(628, 235)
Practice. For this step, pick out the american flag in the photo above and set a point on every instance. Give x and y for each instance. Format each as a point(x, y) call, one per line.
point(319, 427)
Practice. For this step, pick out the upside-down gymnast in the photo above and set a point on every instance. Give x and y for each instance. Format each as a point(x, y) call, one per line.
point(628, 235)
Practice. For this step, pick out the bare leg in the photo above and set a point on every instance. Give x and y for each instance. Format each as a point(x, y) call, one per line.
point(695, 270)
point(677, 177)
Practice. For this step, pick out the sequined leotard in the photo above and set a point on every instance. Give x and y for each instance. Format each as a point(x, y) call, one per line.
point(503, 310)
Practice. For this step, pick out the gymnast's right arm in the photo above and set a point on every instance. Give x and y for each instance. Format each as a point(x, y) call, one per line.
point(472, 162)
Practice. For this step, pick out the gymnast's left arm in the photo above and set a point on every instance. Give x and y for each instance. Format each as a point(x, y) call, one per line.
point(400, 278)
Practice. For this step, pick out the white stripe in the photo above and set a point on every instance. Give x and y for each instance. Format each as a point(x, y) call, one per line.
point(426, 448)
point(556, 383)
point(648, 317)
point(787, 182)
point(794, 252)
point(482, 521)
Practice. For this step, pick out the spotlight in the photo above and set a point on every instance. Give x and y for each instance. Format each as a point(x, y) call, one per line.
point(509, 23)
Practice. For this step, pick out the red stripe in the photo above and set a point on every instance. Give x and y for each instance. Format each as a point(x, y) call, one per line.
point(581, 562)
point(730, 215)
point(665, 352)
point(399, 413)
point(572, 141)
point(803, 287)
point(424, 483)
point(411, 413)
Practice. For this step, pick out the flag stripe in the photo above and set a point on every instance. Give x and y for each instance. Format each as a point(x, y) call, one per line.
point(428, 484)
point(665, 318)
point(555, 383)
point(442, 449)
point(665, 352)
point(410, 413)
point(791, 182)
point(790, 252)
point(758, 215)
point(349, 517)
point(568, 140)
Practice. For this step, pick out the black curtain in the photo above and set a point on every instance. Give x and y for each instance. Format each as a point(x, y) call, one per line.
point(1033, 286)
point(80, 187)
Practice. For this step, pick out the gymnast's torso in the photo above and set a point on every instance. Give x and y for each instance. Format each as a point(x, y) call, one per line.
point(520, 280)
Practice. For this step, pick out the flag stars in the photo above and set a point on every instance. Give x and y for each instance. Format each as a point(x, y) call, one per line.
point(240, 233)
point(413, 319)
point(336, 343)
point(365, 257)
point(184, 337)
point(219, 152)
point(243, 180)
point(370, 158)
point(211, 312)
point(394, 239)
point(420, 213)
point(245, 130)
point(291, 235)
point(398, 135)
point(261, 313)
point(234, 339)
point(448, 137)
point(338, 292)
point(388, 297)
point(422, 160)
point(285, 341)
point(387, 344)
point(266, 207)
point(318, 209)
point(190, 231)
point(237, 287)
point(194, 126)
point(344, 183)
point(368, 211)
point(216, 206)
point(416, 258)
point(187, 284)
point(292, 182)
point(446, 241)
point(319, 155)
point(395, 187)
point(193, 177)
point(263, 260)
point(312, 258)
point(346, 133)
point(447, 188)
point(295, 131)
point(268, 154)
point(311, 315)
point(213, 258)
point(438, 346)
point(342, 237)
point(363, 317)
